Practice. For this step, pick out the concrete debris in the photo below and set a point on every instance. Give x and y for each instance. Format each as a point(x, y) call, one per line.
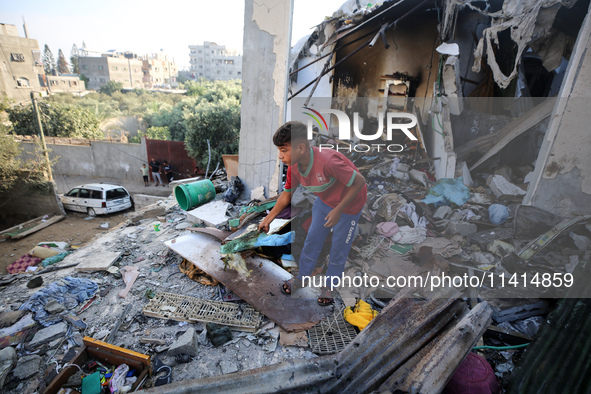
point(442, 212)
point(53, 307)
point(212, 214)
point(7, 362)
point(27, 366)
point(186, 344)
point(48, 334)
point(462, 228)
point(503, 189)
point(7, 319)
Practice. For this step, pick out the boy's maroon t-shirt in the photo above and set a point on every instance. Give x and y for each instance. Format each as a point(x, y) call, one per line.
point(329, 175)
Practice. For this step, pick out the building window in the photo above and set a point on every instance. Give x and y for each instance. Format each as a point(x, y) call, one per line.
point(74, 83)
point(100, 67)
point(103, 80)
point(23, 82)
point(54, 82)
point(85, 67)
point(124, 68)
point(239, 72)
point(115, 68)
point(17, 57)
point(199, 51)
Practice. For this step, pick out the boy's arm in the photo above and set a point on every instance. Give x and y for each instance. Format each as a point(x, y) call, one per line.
point(282, 202)
point(333, 216)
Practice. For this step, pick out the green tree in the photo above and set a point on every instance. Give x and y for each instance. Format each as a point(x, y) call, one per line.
point(74, 59)
point(59, 120)
point(48, 60)
point(62, 64)
point(218, 122)
point(153, 133)
point(111, 87)
point(13, 169)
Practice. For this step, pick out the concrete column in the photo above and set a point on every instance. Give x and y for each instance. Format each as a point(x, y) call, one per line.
point(562, 177)
point(267, 36)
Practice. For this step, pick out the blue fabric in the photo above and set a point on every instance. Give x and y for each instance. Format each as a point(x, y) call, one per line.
point(342, 240)
point(275, 239)
point(498, 214)
point(448, 191)
point(68, 291)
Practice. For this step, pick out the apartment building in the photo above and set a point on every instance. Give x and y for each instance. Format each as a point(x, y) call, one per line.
point(20, 64)
point(119, 67)
point(159, 71)
point(64, 83)
point(214, 62)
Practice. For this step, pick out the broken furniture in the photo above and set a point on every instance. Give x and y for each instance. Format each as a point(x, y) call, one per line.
point(101, 351)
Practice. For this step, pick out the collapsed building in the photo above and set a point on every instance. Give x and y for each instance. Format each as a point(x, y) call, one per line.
point(491, 182)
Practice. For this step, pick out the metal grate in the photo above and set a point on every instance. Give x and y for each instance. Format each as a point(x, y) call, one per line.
point(184, 308)
point(331, 335)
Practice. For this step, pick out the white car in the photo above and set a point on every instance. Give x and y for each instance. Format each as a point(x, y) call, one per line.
point(97, 198)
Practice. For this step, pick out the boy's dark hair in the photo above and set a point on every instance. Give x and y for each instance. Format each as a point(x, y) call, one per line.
point(291, 132)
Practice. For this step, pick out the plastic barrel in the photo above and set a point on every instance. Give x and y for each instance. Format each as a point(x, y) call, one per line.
point(191, 195)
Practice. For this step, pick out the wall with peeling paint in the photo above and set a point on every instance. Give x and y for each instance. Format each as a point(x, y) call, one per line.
point(562, 178)
point(267, 26)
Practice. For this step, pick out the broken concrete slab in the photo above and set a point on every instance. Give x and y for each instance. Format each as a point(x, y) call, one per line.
point(27, 366)
point(212, 214)
point(462, 228)
point(503, 189)
point(186, 344)
point(258, 193)
point(183, 226)
point(48, 334)
point(261, 289)
point(7, 319)
point(99, 261)
point(53, 307)
point(7, 362)
point(442, 212)
point(14, 334)
point(228, 367)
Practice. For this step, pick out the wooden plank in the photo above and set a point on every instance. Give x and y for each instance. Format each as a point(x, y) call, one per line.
point(40, 226)
point(98, 261)
point(262, 289)
point(19, 226)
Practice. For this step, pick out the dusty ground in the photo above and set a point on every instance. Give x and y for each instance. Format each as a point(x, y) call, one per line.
point(74, 229)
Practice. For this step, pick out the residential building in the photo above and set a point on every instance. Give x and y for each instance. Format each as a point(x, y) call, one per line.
point(64, 83)
point(20, 65)
point(119, 67)
point(159, 71)
point(214, 62)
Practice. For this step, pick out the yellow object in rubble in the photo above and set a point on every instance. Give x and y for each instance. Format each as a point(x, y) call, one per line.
point(360, 315)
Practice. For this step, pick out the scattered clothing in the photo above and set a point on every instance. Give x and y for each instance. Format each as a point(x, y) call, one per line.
point(68, 291)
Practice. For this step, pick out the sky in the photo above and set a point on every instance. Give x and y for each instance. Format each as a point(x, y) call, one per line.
point(146, 26)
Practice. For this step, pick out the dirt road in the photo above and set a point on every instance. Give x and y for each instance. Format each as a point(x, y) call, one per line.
point(74, 229)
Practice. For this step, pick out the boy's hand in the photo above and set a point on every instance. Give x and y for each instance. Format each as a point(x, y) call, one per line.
point(264, 225)
point(332, 218)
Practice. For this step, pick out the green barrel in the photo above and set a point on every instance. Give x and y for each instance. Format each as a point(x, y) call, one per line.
point(191, 195)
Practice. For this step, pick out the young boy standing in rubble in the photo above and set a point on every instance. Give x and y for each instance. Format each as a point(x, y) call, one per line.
point(341, 192)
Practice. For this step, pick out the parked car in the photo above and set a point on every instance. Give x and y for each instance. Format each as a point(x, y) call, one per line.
point(97, 199)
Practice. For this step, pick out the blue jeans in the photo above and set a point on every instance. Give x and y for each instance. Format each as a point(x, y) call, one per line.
point(342, 239)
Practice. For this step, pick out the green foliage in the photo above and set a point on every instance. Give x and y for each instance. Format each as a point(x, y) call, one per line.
point(13, 169)
point(216, 121)
point(48, 60)
point(111, 87)
point(62, 64)
point(153, 133)
point(74, 60)
point(58, 121)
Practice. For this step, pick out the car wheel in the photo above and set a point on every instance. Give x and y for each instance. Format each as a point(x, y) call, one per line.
point(91, 212)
